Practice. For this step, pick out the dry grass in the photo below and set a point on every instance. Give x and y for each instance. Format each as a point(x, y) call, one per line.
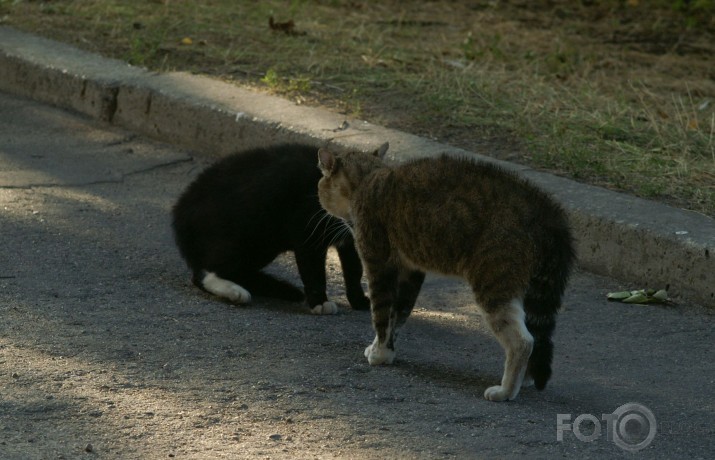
point(620, 94)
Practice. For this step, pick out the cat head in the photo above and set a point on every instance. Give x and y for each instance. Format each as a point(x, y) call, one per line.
point(342, 174)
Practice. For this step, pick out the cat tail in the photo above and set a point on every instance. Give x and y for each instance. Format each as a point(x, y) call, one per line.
point(263, 284)
point(539, 368)
point(543, 301)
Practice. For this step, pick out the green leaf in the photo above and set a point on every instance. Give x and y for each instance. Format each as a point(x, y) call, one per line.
point(618, 295)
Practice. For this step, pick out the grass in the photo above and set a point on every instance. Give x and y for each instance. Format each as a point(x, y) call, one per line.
point(615, 93)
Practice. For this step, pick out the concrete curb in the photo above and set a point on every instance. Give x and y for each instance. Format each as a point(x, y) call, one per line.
point(646, 243)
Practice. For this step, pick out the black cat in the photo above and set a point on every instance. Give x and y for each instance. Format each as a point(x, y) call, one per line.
point(245, 210)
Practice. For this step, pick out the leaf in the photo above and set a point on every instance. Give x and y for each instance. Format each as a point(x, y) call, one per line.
point(186, 41)
point(661, 295)
point(637, 298)
point(640, 296)
point(618, 295)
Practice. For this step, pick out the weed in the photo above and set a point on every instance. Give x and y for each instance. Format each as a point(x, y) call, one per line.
point(613, 93)
point(286, 85)
point(143, 48)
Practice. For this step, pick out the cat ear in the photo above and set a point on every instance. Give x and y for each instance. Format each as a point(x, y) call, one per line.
point(326, 162)
point(380, 152)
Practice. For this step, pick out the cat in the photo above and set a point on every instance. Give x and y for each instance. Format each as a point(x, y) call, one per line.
point(246, 209)
point(455, 216)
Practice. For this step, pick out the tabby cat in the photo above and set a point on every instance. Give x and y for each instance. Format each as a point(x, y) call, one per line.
point(245, 210)
point(455, 216)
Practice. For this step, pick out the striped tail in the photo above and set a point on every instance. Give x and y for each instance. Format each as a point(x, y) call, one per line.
point(539, 368)
point(543, 300)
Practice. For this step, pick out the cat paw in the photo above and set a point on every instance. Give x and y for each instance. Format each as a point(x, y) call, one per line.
point(326, 308)
point(377, 354)
point(225, 288)
point(527, 382)
point(237, 294)
point(497, 393)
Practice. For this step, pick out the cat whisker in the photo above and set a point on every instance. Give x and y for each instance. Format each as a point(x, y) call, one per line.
point(320, 212)
point(323, 215)
point(335, 232)
point(335, 229)
point(343, 230)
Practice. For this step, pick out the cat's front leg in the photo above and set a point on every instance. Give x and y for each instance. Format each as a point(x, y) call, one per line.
point(352, 273)
point(311, 267)
point(383, 287)
point(377, 354)
point(409, 283)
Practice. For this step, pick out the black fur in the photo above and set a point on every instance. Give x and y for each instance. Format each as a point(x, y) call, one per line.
point(245, 210)
point(543, 297)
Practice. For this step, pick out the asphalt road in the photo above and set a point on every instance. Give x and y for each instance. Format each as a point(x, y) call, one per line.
point(108, 351)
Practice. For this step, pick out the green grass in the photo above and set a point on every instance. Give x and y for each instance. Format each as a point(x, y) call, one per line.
point(633, 111)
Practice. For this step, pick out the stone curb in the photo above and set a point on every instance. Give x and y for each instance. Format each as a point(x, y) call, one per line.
point(646, 243)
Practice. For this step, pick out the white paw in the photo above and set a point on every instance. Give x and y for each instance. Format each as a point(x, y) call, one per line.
point(377, 354)
point(527, 382)
point(496, 393)
point(326, 308)
point(225, 288)
point(237, 294)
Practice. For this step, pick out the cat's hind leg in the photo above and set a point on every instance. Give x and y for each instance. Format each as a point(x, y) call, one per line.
point(224, 288)
point(264, 284)
point(508, 325)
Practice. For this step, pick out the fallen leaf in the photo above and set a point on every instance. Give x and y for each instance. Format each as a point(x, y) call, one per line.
point(636, 298)
point(661, 295)
point(640, 296)
point(618, 295)
point(186, 41)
